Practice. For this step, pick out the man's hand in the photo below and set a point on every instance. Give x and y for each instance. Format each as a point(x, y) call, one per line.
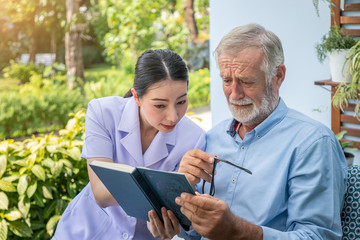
point(196, 165)
point(213, 219)
point(169, 229)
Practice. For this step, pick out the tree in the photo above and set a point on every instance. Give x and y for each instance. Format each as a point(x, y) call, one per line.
point(190, 20)
point(73, 50)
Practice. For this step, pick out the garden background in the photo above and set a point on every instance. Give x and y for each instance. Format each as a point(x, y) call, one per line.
point(42, 107)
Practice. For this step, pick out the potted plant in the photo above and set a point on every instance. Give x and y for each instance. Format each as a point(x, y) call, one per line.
point(336, 46)
point(347, 92)
point(346, 146)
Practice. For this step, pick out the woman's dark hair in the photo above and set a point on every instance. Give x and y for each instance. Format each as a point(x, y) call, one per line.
point(155, 66)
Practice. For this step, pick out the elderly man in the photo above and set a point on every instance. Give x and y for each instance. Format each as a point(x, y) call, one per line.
point(298, 179)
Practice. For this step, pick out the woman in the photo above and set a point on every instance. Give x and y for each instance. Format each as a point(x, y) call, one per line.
point(146, 128)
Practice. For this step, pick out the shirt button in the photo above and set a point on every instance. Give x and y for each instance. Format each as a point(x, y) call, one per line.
point(258, 136)
point(125, 235)
point(233, 180)
point(243, 148)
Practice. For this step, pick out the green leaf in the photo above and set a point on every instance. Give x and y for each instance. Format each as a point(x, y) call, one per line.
point(52, 149)
point(22, 184)
point(38, 199)
point(4, 201)
point(31, 189)
point(11, 178)
point(35, 225)
point(71, 188)
point(20, 229)
point(51, 224)
point(74, 153)
point(3, 230)
point(47, 192)
point(24, 206)
point(7, 186)
point(66, 162)
point(48, 162)
point(60, 206)
point(56, 170)
point(3, 162)
point(38, 171)
point(50, 209)
point(13, 215)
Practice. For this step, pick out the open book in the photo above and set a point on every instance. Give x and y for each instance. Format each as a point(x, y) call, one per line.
point(138, 190)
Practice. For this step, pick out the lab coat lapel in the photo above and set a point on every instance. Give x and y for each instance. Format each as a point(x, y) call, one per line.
point(160, 147)
point(129, 124)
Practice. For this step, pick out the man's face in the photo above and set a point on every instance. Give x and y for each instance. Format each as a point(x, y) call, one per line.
point(244, 83)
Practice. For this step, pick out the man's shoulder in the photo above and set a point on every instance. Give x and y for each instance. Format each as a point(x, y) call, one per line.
point(302, 122)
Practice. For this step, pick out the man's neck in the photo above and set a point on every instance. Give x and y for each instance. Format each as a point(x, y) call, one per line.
point(244, 129)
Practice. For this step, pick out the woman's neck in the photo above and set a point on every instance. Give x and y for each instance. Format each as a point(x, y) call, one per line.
point(147, 133)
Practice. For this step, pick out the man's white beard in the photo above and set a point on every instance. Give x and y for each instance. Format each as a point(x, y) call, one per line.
point(253, 115)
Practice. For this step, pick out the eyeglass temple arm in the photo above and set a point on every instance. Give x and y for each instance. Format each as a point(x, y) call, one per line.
point(226, 161)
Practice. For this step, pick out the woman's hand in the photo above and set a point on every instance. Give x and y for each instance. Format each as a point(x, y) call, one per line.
point(168, 229)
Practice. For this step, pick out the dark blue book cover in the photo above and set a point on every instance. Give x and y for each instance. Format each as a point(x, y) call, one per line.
point(138, 190)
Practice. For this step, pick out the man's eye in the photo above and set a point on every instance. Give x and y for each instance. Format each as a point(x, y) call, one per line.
point(227, 81)
point(159, 106)
point(182, 102)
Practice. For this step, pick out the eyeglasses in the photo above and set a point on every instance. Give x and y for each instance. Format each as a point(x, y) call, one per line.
point(212, 186)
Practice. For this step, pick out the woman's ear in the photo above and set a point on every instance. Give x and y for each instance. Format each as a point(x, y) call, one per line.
point(136, 97)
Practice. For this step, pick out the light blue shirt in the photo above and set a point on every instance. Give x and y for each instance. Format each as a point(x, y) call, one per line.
point(112, 131)
point(298, 181)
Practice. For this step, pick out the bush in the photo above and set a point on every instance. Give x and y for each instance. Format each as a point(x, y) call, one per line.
point(38, 179)
point(199, 88)
point(22, 72)
point(41, 105)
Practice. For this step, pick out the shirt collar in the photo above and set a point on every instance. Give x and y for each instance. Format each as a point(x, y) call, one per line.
point(271, 121)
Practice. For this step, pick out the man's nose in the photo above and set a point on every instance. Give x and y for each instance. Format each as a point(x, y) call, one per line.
point(237, 90)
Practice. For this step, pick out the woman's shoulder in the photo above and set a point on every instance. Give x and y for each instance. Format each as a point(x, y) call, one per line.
point(108, 105)
point(188, 127)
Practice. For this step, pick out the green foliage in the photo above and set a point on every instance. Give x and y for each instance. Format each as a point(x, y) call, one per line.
point(22, 72)
point(137, 25)
point(333, 40)
point(345, 145)
point(38, 106)
point(38, 178)
point(199, 88)
point(347, 92)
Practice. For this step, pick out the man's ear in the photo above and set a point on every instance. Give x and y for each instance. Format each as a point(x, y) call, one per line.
point(280, 75)
point(136, 97)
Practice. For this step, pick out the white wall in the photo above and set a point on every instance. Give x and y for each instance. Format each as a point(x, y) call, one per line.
point(299, 28)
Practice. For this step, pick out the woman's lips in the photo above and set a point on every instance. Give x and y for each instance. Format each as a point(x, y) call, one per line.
point(168, 126)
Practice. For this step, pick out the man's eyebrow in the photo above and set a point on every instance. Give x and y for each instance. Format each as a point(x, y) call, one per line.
point(166, 100)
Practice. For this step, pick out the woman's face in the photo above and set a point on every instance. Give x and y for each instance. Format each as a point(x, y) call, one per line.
point(163, 105)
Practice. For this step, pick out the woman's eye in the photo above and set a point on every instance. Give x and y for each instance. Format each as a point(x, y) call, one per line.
point(182, 102)
point(159, 106)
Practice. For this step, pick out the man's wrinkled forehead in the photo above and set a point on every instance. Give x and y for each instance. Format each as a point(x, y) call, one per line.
point(249, 58)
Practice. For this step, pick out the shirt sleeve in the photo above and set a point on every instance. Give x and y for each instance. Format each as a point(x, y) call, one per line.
point(98, 142)
point(316, 189)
